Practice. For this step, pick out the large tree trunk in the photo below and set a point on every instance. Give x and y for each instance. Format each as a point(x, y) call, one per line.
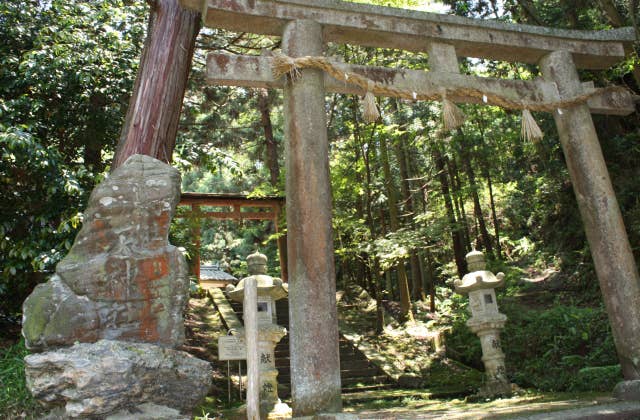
point(154, 110)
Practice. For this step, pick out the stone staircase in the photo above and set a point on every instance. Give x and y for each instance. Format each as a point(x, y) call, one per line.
point(356, 372)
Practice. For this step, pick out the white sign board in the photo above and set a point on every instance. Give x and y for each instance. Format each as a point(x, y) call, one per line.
point(232, 347)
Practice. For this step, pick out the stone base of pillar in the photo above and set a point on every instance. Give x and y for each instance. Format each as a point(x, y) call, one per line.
point(494, 389)
point(280, 411)
point(627, 390)
point(329, 416)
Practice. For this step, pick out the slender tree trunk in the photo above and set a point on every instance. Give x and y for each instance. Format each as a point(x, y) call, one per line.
point(456, 233)
point(530, 12)
point(403, 283)
point(456, 192)
point(494, 217)
point(273, 165)
point(477, 209)
point(405, 188)
point(486, 172)
point(378, 296)
point(365, 153)
point(611, 11)
point(431, 282)
point(270, 142)
point(151, 123)
point(387, 274)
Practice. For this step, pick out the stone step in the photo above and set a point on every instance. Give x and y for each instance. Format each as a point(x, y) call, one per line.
point(345, 353)
point(285, 342)
point(356, 365)
point(360, 395)
point(344, 373)
point(365, 380)
point(367, 388)
point(356, 372)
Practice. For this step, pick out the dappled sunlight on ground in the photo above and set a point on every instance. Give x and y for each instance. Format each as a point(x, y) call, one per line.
point(412, 352)
point(521, 405)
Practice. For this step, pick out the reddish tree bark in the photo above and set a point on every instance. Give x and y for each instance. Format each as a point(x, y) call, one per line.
point(154, 109)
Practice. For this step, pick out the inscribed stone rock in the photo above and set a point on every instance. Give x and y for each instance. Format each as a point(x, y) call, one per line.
point(121, 279)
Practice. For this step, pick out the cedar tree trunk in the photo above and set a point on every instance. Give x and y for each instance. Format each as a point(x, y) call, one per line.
point(154, 110)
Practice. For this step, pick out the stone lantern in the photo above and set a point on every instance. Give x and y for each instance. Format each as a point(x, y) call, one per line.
point(485, 320)
point(269, 289)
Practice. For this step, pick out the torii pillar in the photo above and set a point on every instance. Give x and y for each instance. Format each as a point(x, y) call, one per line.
point(610, 249)
point(315, 386)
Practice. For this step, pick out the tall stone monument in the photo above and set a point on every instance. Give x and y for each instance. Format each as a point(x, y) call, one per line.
point(486, 321)
point(108, 321)
point(269, 290)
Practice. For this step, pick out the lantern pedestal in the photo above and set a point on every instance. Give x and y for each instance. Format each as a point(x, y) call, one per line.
point(486, 321)
point(269, 290)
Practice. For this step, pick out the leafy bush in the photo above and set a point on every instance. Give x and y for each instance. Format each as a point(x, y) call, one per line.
point(66, 70)
point(39, 216)
point(547, 349)
point(462, 345)
point(564, 348)
point(598, 378)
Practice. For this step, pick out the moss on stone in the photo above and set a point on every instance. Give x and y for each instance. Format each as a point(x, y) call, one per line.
point(37, 309)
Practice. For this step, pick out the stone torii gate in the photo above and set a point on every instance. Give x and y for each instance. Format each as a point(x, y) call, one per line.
point(305, 26)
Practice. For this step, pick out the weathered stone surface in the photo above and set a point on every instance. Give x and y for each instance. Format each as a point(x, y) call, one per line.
point(313, 318)
point(121, 279)
point(148, 411)
point(224, 69)
point(603, 224)
point(96, 379)
point(627, 390)
point(486, 321)
point(55, 316)
point(385, 27)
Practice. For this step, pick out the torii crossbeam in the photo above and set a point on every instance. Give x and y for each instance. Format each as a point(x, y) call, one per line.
point(306, 25)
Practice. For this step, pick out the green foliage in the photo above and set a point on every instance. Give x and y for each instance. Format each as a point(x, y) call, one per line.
point(462, 344)
point(66, 71)
point(598, 378)
point(548, 348)
point(15, 399)
point(39, 217)
point(563, 348)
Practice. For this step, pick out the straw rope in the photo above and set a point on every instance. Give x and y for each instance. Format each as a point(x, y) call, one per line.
point(283, 64)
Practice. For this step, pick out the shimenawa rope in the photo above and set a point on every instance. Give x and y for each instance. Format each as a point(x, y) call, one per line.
point(452, 115)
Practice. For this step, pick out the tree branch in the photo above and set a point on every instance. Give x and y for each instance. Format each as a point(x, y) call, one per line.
point(530, 11)
point(611, 12)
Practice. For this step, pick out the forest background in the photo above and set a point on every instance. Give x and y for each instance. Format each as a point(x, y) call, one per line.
point(408, 204)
